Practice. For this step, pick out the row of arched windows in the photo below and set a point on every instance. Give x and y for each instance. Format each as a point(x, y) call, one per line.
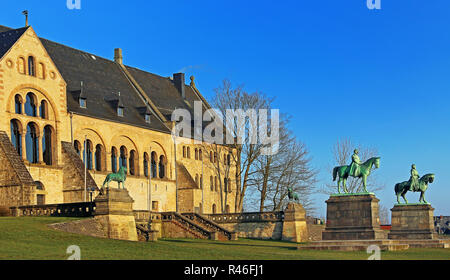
point(30, 144)
point(214, 184)
point(96, 159)
point(30, 107)
point(30, 67)
point(214, 209)
point(198, 155)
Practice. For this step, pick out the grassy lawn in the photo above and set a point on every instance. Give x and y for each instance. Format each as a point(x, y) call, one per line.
point(31, 239)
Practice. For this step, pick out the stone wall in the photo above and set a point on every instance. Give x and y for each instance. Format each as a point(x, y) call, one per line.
point(257, 225)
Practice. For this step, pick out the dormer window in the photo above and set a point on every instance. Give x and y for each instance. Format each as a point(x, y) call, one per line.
point(82, 102)
point(147, 118)
point(120, 111)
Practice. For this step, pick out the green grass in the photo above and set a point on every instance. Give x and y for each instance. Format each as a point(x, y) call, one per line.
point(31, 239)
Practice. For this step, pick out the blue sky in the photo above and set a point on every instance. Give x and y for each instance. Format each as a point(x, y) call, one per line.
point(380, 77)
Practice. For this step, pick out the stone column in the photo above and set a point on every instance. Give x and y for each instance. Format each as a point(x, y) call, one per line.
point(412, 221)
point(114, 211)
point(40, 149)
point(294, 223)
point(24, 145)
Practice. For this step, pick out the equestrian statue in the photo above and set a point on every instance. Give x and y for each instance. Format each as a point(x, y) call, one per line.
point(415, 184)
point(356, 169)
point(119, 177)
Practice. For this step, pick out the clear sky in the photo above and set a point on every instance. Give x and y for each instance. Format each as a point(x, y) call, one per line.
point(380, 77)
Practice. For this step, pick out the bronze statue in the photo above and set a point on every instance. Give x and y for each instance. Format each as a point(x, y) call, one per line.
point(292, 195)
point(355, 169)
point(119, 177)
point(414, 184)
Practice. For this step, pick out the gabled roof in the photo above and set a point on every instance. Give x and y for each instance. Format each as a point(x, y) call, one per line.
point(8, 38)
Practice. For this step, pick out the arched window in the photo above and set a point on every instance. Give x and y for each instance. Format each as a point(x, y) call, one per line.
point(30, 105)
point(214, 209)
point(188, 152)
point(114, 159)
point(200, 154)
point(31, 66)
point(154, 165)
point(211, 156)
point(77, 147)
point(99, 152)
point(215, 157)
point(184, 151)
point(43, 110)
point(87, 155)
point(225, 184)
point(196, 154)
point(201, 181)
point(21, 65)
point(162, 167)
point(145, 164)
point(123, 157)
point(18, 104)
point(216, 183)
point(16, 136)
point(196, 180)
point(41, 70)
point(229, 160)
point(132, 163)
point(32, 145)
point(47, 145)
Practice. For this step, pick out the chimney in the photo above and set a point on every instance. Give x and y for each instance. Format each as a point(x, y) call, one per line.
point(118, 58)
point(178, 80)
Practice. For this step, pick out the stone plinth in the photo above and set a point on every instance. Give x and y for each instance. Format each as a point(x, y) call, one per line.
point(353, 217)
point(412, 221)
point(114, 211)
point(294, 224)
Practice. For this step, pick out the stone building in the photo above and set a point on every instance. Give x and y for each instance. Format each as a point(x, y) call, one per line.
point(63, 109)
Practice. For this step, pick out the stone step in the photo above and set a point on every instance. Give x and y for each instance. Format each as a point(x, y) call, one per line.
point(354, 247)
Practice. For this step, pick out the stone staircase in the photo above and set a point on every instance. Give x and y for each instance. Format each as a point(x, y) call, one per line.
point(385, 245)
point(186, 225)
point(220, 232)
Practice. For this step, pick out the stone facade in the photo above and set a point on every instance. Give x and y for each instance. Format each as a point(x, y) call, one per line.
point(412, 222)
point(294, 224)
point(353, 217)
point(57, 172)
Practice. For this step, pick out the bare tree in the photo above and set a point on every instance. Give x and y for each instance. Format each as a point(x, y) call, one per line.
point(385, 217)
point(229, 98)
point(342, 152)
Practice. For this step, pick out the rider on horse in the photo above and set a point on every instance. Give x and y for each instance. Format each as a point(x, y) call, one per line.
point(355, 165)
point(414, 179)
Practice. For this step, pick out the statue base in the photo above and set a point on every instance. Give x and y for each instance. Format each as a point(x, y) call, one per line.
point(114, 212)
point(294, 224)
point(412, 221)
point(353, 217)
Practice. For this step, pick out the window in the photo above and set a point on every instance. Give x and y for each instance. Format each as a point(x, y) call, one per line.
point(31, 66)
point(21, 65)
point(32, 145)
point(188, 152)
point(18, 104)
point(211, 182)
point(123, 157)
point(154, 165)
point(30, 105)
point(145, 164)
point(87, 155)
point(155, 206)
point(147, 118)
point(16, 136)
point(133, 163)
point(162, 167)
point(214, 209)
point(184, 152)
point(99, 157)
point(40, 199)
point(47, 146)
point(196, 154)
point(43, 110)
point(77, 147)
point(120, 111)
point(83, 103)
point(114, 159)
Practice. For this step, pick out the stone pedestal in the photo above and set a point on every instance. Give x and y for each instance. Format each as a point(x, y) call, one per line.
point(114, 211)
point(294, 224)
point(353, 217)
point(412, 221)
